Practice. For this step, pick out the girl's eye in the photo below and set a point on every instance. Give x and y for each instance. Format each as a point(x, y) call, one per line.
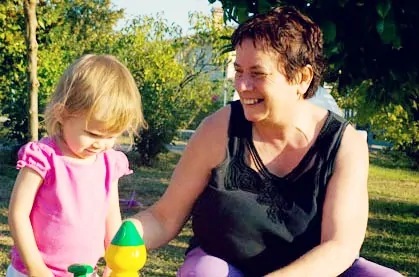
point(102, 136)
point(93, 134)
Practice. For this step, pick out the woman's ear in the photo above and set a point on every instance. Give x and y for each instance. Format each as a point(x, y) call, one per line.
point(306, 76)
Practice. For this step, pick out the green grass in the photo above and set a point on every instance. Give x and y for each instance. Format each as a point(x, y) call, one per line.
point(393, 230)
point(393, 227)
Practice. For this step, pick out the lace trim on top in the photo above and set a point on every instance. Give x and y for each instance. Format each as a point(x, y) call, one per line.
point(271, 190)
point(239, 175)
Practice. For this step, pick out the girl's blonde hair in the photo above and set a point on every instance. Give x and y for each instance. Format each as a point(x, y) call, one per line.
point(97, 85)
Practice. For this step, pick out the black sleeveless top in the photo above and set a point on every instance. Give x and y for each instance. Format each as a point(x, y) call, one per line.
point(255, 220)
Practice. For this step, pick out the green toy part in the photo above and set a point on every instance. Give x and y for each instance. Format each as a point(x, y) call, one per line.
point(80, 270)
point(127, 235)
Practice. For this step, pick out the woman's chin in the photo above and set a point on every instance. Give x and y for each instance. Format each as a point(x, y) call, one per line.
point(254, 117)
point(255, 112)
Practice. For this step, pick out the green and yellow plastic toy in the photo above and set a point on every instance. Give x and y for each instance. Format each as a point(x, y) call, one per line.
point(80, 270)
point(126, 254)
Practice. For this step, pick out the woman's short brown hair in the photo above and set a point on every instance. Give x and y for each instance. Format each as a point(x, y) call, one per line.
point(296, 39)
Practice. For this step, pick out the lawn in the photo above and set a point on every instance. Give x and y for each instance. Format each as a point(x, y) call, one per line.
point(393, 230)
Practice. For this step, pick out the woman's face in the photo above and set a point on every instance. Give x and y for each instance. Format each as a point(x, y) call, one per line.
point(264, 92)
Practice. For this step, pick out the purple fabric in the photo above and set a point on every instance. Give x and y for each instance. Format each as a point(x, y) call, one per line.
point(365, 268)
point(200, 264)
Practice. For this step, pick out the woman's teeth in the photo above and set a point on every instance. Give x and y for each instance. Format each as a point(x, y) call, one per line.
point(250, 101)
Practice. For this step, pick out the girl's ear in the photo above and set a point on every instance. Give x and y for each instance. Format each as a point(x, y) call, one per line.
point(306, 76)
point(59, 112)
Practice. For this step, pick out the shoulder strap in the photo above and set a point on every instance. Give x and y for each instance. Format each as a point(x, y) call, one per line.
point(238, 125)
point(332, 137)
point(238, 130)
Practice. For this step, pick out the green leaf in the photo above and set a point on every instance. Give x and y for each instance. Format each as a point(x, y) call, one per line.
point(329, 31)
point(389, 33)
point(242, 14)
point(380, 26)
point(342, 3)
point(383, 8)
point(397, 43)
point(264, 6)
point(41, 23)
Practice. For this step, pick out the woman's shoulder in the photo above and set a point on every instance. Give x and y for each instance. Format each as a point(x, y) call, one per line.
point(214, 127)
point(353, 140)
point(217, 121)
point(210, 138)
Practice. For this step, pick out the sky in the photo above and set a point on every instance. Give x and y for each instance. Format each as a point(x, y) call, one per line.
point(175, 11)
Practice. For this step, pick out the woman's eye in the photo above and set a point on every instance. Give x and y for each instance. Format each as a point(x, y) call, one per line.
point(238, 73)
point(259, 74)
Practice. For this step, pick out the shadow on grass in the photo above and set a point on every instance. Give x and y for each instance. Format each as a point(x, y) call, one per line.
point(184, 238)
point(4, 245)
point(393, 231)
point(5, 249)
point(394, 208)
point(391, 159)
point(164, 261)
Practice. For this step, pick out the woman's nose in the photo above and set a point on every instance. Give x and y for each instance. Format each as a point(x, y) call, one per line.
point(243, 83)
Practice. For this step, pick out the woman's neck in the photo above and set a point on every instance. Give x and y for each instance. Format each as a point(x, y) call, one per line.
point(298, 129)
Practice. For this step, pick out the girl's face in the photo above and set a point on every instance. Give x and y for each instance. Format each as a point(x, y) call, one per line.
point(84, 141)
point(264, 91)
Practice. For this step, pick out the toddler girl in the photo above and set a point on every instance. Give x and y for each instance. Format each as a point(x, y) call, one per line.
point(64, 208)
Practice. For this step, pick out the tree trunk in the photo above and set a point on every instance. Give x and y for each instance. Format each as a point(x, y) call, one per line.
point(32, 66)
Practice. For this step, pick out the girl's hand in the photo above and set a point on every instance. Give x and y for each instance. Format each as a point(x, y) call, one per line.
point(106, 272)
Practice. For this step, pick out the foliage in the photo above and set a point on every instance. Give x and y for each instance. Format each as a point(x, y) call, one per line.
point(176, 74)
point(173, 73)
point(142, 47)
point(12, 68)
point(371, 47)
point(204, 65)
point(391, 123)
point(67, 29)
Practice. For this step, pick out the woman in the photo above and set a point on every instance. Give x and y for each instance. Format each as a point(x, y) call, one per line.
point(276, 186)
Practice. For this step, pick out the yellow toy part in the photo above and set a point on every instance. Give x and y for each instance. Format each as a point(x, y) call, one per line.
point(126, 254)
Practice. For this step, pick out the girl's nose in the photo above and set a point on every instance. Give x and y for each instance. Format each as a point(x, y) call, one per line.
point(105, 143)
point(97, 144)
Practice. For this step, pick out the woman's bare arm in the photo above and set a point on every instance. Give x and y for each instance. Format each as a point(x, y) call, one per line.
point(345, 214)
point(205, 150)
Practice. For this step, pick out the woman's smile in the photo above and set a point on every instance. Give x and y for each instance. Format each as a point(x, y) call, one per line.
point(251, 101)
